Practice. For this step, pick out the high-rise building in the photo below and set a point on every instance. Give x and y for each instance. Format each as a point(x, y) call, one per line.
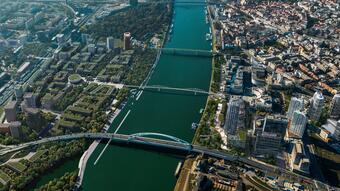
point(298, 124)
point(316, 106)
point(110, 43)
point(267, 143)
point(85, 38)
point(33, 118)
point(232, 116)
point(333, 127)
point(30, 100)
point(335, 107)
point(11, 111)
point(18, 92)
point(14, 129)
point(91, 48)
point(295, 104)
point(268, 134)
point(60, 39)
point(127, 41)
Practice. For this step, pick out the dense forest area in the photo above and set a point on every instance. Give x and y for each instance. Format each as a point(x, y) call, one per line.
point(141, 22)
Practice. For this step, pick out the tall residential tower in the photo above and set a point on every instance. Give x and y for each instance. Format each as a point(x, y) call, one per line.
point(316, 106)
point(298, 124)
point(335, 107)
point(295, 104)
point(232, 116)
point(127, 41)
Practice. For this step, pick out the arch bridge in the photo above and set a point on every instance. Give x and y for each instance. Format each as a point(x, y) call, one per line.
point(144, 139)
point(150, 134)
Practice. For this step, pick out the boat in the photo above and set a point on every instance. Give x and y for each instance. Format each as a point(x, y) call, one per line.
point(194, 126)
point(208, 37)
point(178, 169)
point(201, 110)
point(171, 27)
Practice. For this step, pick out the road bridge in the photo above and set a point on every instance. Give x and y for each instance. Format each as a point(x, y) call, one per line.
point(189, 52)
point(187, 2)
point(196, 91)
point(150, 140)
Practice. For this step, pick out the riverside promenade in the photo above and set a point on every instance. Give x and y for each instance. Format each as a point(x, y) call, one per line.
point(87, 154)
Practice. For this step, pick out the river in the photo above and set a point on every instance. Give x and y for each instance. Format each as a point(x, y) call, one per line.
point(168, 113)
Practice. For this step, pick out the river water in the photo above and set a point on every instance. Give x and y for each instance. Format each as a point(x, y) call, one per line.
point(173, 113)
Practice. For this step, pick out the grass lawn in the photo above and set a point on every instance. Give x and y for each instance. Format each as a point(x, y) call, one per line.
point(74, 77)
point(17, 166)
point(37, 155)
point(5, 178)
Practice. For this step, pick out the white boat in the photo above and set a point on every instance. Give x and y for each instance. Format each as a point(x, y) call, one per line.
point(194, 126)
point(208, 37)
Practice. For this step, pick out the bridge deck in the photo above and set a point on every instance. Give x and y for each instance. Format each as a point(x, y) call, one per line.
point(188, 52)
point(159, 88)
point(179, 146)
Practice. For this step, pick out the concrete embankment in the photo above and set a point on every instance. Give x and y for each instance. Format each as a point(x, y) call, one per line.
point(87, 154)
